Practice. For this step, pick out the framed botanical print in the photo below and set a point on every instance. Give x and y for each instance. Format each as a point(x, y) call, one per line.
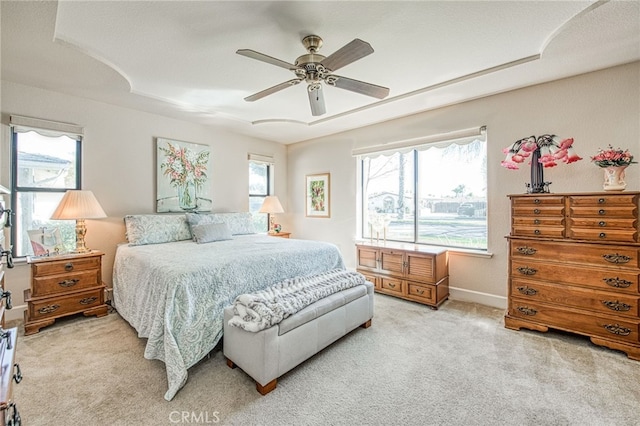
point(182, 177)
point(318, 195)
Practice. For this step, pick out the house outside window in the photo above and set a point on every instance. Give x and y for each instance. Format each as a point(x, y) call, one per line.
point(432, 193)
point(260, 186)
point(45, 164)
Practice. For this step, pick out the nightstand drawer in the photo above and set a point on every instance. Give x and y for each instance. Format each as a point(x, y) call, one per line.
point(44, 286)
point(423, 293)
point(64, 305)
point(65, 266)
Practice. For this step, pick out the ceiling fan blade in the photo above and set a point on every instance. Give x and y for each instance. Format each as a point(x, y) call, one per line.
point(357, 86)
point(273, 89)
point(350, 52)
point(316, 100)
point(265, 58)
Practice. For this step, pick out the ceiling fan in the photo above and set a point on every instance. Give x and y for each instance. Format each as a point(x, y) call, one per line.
point(314, 69)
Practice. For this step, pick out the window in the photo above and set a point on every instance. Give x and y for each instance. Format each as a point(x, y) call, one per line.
point(45, 164)
point(428, 194)
point(260, 186)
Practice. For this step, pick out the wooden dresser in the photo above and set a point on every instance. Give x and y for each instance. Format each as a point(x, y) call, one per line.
point(63, 285)
point(575, 266)
point(409, 271)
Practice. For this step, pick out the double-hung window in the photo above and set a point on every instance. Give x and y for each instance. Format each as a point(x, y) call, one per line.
point(260, 186)
point(427, 191)
point(45, 163)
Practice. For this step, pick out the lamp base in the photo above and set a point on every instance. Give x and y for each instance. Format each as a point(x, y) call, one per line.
point(81, 231)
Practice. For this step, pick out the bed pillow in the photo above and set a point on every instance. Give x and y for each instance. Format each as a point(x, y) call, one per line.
point(155, 228)
point(238, 223)
point(210, 232)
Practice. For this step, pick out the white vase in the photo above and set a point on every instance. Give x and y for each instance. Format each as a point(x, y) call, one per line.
point(614, 178)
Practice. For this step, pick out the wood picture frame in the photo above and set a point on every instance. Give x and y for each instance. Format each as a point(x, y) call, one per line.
point(318, 195)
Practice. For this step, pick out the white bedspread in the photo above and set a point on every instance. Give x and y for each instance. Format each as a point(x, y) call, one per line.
point(174, 294)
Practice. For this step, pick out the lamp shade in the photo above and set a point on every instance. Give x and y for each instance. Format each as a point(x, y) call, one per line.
point(78, 204)
point(271, 204)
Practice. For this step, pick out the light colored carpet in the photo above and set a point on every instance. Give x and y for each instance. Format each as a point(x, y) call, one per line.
point(454, 366)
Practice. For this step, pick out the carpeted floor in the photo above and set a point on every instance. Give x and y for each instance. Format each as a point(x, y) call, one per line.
point(415, 366)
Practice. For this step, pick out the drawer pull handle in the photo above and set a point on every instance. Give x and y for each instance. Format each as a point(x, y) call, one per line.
point(527, 311)
point(537, 232)
point(536, 211)
point(88, 300)
point(525, 270)
point(68, 267)
point(602, 223)
point(616, 305)
point(17, 376)
point(528, 291)
point(536, 201)
point(420, 291)
point(602, 235)
point(616, 258)
point(601, 212)
point(616, 282)
point(600, 200)
point(48, 309)
point(617, 329)
point(527, 251)
point(69, 283)
point(536, 221)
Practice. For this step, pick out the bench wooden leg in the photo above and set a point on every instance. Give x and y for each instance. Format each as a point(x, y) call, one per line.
point(366, 324)
point(230, 363)
point(266, 388)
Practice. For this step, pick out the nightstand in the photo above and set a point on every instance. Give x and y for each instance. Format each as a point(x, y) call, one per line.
point(63, 285)
point(281, 234)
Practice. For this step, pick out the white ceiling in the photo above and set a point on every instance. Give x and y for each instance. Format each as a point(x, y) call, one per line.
point(177, 58)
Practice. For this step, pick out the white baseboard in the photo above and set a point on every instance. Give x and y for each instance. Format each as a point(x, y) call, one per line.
point(15, 313)
point(487, 299)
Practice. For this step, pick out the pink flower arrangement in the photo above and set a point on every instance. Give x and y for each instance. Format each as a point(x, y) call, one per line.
point(551, 150)
point(183, 166)
point(612, 157)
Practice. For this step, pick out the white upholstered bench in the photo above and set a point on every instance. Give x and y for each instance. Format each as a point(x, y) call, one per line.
point(268, 354)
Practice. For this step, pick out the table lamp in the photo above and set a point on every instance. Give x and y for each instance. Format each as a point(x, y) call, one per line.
point(79, 205)
point(271, 205)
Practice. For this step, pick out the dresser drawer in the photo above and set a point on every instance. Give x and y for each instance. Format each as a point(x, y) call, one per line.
point(64, 305)
point(581, 276)
point(534, 200)
point(604, 223)
point(604, 200)
point(577, 321)
point(614, 235)
point(421, 292)
point(65, 266)
point(600, 301)
point(391, 285)
point(545, 221)
point(538, 211)
point(540, 231)
point(50, 285)
point(604, 211)
point(590, 254)
point(370, 277)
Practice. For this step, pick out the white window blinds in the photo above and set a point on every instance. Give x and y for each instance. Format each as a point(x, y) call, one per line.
point(460, 137)
point(22, 124)
point(261, 158)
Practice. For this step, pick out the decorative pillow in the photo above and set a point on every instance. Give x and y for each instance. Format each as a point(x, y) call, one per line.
point(238, 223)
point(155, 229)
point(210, 232)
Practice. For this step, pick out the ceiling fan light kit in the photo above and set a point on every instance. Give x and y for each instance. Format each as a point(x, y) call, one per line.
point(314, 69)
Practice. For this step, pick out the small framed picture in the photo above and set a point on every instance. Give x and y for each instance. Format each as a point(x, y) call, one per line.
point(45, 241)
point(318, 195)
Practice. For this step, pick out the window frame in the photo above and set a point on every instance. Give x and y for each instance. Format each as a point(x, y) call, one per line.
point(413, 147)
point(269, 186)
point(16, 189)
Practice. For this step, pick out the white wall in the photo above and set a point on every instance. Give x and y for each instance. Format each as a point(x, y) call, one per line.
point(119, 163)
point(596, 109)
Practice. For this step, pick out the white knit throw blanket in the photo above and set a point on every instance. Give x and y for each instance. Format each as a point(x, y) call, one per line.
point(265, 308)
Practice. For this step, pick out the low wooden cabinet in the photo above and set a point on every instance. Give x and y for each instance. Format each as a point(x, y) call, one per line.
point(575, 266)
point(408, 271)
point(61, 286)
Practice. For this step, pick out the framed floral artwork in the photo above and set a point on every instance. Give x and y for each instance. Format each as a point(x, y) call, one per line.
point(182, 177)
point(318, 195)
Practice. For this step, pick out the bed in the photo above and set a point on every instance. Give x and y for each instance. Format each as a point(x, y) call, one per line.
point(173, 292)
